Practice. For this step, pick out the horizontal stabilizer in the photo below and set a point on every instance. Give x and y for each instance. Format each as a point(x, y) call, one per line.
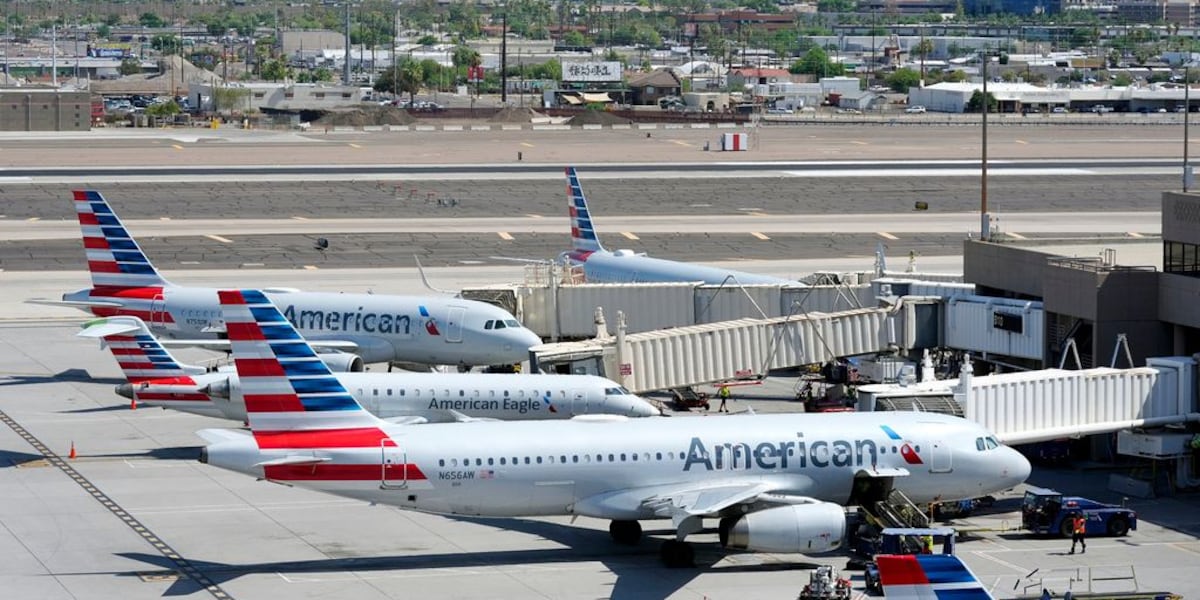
point(102, 328)
point(216, 436)
point(407, 420)
point(928, 576)
point(75, 303)
point(294, 460)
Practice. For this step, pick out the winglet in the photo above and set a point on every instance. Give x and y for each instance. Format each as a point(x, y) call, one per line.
point(114, 258)
point(923, 576)
point(583, 235)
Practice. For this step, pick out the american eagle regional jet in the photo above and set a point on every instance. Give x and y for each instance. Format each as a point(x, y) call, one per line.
point(776, 483)
point(626, 266)
point(157, 378)
point(349, 328)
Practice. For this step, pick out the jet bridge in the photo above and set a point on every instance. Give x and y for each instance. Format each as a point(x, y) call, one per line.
point(739, 349)
point(1034, 406)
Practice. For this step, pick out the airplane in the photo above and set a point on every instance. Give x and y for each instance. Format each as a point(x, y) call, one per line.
point(156, 378)
point(928, 577)
point(626, 266)
point(351, 329)
point(777, 483)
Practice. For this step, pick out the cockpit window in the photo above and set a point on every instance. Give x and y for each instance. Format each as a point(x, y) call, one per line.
point(979, 444)
point(613, 391)
point(512, 323)
point(992, 443)
point(489, 324)
point(499, 324)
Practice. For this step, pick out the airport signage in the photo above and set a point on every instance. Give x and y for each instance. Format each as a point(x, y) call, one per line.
point(592, 71)
point(1008, 321)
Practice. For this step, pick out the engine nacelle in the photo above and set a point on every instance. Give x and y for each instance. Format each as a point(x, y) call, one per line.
point(808, 528)
point(342, 362)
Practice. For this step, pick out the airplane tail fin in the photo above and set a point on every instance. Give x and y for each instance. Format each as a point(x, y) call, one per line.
point(139, 354)
point(583, 234)
point(292, 399)
point(928, 577)
point(114, 258)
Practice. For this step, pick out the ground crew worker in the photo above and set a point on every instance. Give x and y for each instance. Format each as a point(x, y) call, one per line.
point(723, 393)
point(1078, 528)
point(927, 544)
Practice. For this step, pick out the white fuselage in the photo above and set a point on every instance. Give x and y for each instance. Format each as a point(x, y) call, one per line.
point(434, 397)
point(610, 469)
point(626, 267)
point(384, 328)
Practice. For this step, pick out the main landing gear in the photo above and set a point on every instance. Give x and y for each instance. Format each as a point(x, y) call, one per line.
point(674, 553)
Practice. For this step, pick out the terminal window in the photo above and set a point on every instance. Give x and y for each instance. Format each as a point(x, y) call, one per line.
point(1181, 259)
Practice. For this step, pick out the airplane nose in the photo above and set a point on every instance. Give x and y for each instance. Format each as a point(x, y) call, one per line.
point(526, 339)
point(640, 408)
point(1017, 467)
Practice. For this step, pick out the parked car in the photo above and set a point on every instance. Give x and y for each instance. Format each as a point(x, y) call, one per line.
point(915, 109)
point(1060, 110)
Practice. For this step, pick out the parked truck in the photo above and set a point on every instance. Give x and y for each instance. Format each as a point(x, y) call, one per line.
point(1048, 512)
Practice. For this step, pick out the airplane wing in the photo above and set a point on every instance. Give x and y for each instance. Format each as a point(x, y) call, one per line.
point(928, 577)
point(680, 502)
point(223, 345)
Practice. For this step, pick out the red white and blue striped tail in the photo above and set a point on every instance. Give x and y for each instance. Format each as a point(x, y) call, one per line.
point(928, 577)
point(292, 399)
point(138, 353)
point(584, 240)
point(114, 258)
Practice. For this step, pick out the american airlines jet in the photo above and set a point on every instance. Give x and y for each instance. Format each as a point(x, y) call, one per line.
point(156, 378)
point(350, 328)
point(626, 266)
point(776, 483)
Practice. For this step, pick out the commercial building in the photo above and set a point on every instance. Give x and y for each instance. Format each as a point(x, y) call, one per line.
point(45, 109)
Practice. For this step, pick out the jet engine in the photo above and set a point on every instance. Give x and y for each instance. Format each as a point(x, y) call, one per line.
point(808, 528)
point(342, 362)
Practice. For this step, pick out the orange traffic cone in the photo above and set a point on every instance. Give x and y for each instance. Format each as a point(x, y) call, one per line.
point(72, 454)
point(133, 403)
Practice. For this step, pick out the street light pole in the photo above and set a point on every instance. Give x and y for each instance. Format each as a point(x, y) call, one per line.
point(504, 55)
point(1187, 108)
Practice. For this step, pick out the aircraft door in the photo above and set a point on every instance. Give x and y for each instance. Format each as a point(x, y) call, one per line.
point(940, 457)
point(579, 404)
point(454, 327)
point(393, 467)
point(158, 312)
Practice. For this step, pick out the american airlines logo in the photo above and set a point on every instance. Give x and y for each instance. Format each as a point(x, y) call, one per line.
point(795, 454)
point(354, 321)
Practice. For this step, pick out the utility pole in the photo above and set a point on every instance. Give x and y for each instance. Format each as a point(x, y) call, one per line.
point(985, 225)
point(504, 55)
point(346, 66)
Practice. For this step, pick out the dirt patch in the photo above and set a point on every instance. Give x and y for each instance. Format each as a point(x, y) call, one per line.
point(595, 117)
point(513, 114)
point(364, 116)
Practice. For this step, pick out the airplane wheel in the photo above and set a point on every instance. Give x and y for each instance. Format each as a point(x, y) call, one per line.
point(676, 554)
point(628, 533)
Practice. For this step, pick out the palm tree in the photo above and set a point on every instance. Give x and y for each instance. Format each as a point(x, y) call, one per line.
point(411, 78)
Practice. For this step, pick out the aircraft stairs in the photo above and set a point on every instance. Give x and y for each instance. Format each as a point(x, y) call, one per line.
point(896, 511)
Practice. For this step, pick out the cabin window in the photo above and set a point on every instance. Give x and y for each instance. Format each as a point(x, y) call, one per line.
point(441, 462)
point(622, 457)
point(375, 392)
point(491, 462)
point(479, 462)
point(587, 458)
point(461, 393)
point(514, 460)
point(599, 458)
point(454, 462)
point(658, 456)
point(401, 391)
point(633, 456)
point(526, 460)
point(502, 461)
point(539, 460)
point(389, 391)
point(563, 459)
point(574, 458)
point(505, 393)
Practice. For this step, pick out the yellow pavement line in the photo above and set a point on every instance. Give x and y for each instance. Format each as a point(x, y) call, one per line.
point(32, 219)
point(680, 142)
point(759, 235)
point(630, 235)
point(164, 218)
point(1134, 234)
point(299, 218)
point(1021, 142)
point(1015, 235)
point(885, 235)
point(504, 235)
point(527, 144)
point(858, 143)
point(533, 216)
point(311, 267)
point(219, 239)
point(177, 146)
point(353, 145)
